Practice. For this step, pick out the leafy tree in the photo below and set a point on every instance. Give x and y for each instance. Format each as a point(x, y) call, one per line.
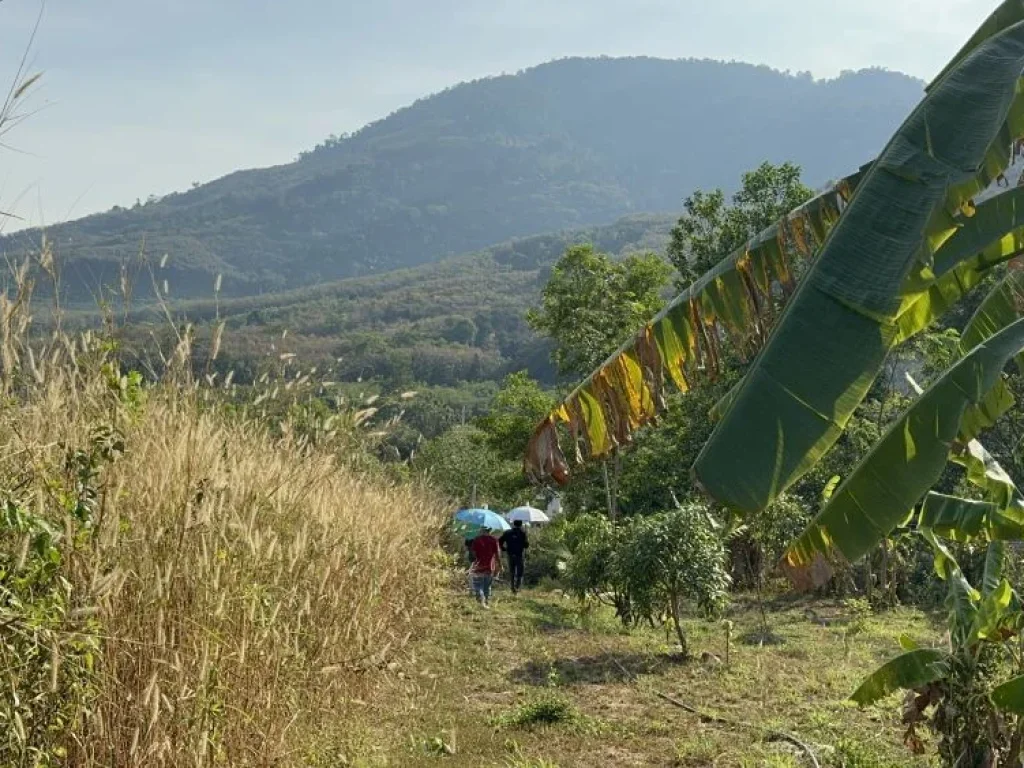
point(514, 413)
point(673, 557)
point(711, 228)
point(592, 571)
point(462, 464)
point(592, 304)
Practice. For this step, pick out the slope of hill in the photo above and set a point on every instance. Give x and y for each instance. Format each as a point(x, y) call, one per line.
point(567, 144)
point(461, 319)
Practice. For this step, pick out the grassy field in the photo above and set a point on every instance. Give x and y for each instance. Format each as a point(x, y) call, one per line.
point(534, 682)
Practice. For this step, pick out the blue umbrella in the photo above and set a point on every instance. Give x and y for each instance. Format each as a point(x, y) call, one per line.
point(482, 518)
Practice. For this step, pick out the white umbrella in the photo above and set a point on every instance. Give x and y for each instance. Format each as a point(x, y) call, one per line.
point(527, 515)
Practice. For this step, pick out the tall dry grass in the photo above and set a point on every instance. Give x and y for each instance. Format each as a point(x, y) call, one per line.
point(244, 591)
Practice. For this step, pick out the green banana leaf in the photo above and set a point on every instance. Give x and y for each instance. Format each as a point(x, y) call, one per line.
point(1003, 304)
point(995, 561)
point(1009, 696)
point(903, 465)
point(961, 598)
point(981, 468)
point(836, 331)
point(926, 298)
point(967, 520)
point(992, 610)
point(986, 473)
point(908, 671)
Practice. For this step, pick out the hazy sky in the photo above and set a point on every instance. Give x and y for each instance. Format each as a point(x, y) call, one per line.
point(144, 97)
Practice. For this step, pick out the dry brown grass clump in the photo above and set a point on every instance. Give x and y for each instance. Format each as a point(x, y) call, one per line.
point(226, 595)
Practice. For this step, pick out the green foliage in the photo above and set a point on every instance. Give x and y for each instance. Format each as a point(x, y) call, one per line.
point(711, 229)
point(672, 557)
point(48, 643)
point(513, 414)
point(850, 313)
point(546, 711)
point(591, 304)
point(657, 463)
point(546, 559)
point(462, 459)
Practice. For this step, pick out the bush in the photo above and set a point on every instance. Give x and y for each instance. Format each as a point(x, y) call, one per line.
point(671, 558)
point(546, 557)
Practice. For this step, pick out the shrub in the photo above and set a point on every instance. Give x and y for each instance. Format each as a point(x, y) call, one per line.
point(673, 557)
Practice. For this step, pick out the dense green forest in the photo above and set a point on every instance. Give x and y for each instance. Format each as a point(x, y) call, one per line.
point(568, 144)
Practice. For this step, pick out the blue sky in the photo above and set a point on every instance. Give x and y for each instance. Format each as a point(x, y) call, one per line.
point(141, 97)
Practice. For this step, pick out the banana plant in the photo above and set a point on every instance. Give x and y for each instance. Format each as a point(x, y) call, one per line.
point(844, 319)
point(955, 682)
point(939, 426)
point(951, 690)
point(822, 296)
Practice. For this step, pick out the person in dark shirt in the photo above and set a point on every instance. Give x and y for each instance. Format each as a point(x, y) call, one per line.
point(486, 565)
point(514, 544)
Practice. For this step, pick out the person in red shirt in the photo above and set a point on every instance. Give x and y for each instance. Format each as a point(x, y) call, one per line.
point(486, 565)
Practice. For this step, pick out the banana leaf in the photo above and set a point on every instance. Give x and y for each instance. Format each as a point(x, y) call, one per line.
point(1004, 303)
point(1009, 696)
point(836, 331)
point(890, 480)
point(737, 299)
point(586, 409)
point(968, 520)
point(986, 473)
point(908, 671)
point(995, 561)
point(926, 297)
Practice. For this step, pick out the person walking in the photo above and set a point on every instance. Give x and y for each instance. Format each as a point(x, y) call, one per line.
point(514, 543)
point(486, 565)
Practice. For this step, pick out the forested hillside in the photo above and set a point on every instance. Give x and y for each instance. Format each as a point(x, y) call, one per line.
point(567, 144)
point(461, 319)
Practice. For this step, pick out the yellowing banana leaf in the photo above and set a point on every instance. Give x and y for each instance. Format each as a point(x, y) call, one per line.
point(903, 465)
point(737, 299)
point(907, 672)
point(838, 328)
point(1009, 696)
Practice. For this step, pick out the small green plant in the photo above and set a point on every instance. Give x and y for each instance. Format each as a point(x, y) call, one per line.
point(671, 558)
point(548, 710)
point(518, 759)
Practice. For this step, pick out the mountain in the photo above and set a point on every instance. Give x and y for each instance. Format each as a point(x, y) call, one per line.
point(572, 143)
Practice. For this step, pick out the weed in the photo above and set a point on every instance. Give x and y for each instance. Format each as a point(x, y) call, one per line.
point(547, 710)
